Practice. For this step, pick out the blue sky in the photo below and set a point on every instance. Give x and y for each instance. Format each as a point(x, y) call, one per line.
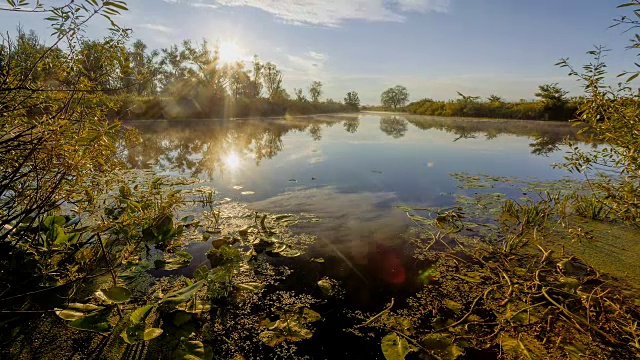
point(433, 47)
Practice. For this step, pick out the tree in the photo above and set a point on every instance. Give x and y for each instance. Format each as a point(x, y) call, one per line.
point(144, 69)
point(315, 91)
point(239, 81)
point(299, 94)
point(495, 99)
point(256, 80)
point(272, 79)
point(467, 99)
point(55, 143)
point(552, 95)
point(554, 102)
point(352, 100)
point(395, 97)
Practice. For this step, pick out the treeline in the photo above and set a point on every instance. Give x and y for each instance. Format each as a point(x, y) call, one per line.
point(182, 81)
point(552, 104)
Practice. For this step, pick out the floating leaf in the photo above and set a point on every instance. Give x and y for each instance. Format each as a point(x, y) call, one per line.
point(192, 350)
point(76, 311)
point(95, 323)
point(140, 315)
point(250, 286)
point(452, 305)
point(395, 347)
point(326, 286)
point(441, 346)
point(152, 333)
point(177, 297)
point(173, 262)
point(117, 294)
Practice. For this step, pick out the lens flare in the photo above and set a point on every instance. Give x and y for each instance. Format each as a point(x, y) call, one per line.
point(230, 52)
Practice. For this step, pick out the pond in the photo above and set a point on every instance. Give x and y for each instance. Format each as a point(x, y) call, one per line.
point(351, 172)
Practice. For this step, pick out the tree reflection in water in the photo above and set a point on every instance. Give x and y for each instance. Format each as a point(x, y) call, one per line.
point(204, 147)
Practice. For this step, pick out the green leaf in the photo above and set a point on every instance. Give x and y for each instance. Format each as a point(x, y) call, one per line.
point(133, 334)
point(192, 350)
point(95, 323)
point(250, 286)
point(152, 333)
point(76, 311)
point(50, 221)
point(140, 315)
point(395, 347)
point(177, 297)
point(116, 5)
point(117, 294)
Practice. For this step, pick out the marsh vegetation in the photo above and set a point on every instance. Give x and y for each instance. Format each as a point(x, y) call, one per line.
point(372, 235)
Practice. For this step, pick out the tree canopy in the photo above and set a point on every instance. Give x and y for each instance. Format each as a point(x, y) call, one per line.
point(395, 97)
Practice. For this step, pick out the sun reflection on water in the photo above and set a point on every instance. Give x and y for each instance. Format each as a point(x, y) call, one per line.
point(232, 161)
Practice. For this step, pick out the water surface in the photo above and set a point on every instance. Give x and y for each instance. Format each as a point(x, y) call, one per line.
point(350, 170)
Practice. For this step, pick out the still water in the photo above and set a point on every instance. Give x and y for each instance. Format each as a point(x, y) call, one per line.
point(349, 170)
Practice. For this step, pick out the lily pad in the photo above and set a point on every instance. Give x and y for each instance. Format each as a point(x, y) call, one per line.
point(76, 311)
point(116, 294)
point(395, 347)
point(95, 323)
point(177, 297)
point(326, 286)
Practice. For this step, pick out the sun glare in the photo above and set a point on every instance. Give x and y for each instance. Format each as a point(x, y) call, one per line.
point(232, 161)
point(230, 52)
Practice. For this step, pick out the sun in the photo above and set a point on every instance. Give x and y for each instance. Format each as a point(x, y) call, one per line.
point(230, 51)
point(232, 161)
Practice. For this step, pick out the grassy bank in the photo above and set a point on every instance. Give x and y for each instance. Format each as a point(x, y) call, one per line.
point(523, 110)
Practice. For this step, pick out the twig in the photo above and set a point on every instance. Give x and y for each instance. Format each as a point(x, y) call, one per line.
point(379, 315)
point(465, 317)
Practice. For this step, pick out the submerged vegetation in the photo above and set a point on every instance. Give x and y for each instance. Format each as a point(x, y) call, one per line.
point(98, 260)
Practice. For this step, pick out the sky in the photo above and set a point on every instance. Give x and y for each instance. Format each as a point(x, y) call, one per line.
point(433, 47)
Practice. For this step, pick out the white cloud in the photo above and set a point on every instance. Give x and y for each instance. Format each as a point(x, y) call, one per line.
point(157, 27)
point(305, 67)
point(332, 12)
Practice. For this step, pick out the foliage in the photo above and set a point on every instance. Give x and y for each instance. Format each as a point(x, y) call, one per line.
point(394, 97)
point(315, 91)
point(495, 108)
point(611, 116)
point(352, 100)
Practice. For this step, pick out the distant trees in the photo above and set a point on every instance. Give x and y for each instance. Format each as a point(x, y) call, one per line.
point(553, 106)
point(395, 97)
point(554, 101)
point(495, 99)
point(552, 94)
point(182, 80)
point(352, 100)
point(299, 94)
point(315, 91)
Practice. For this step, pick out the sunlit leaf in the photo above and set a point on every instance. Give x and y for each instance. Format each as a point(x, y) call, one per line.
point(395, 347)
point(117, 294)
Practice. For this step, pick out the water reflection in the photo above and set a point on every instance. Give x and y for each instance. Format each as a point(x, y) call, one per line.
point(394, 126)
point(410, 156)
point(350, 171)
